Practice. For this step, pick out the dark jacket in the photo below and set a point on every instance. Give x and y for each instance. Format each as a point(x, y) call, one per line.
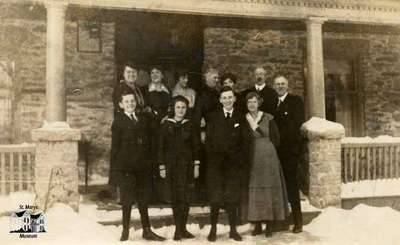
point(227, 137)
point(227, 146)
point(207, 102)
point(269, 96)
point(289, 117)
point(179, 146)
point(129, 145)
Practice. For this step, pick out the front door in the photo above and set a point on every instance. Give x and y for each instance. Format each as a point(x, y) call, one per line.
point(342, 95)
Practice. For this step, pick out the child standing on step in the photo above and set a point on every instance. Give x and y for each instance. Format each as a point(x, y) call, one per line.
point(129, 165)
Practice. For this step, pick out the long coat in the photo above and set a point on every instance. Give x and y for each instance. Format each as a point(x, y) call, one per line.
point(289, 117)
point(269, 96)
point(178, 148)
point(129, 165)
point(206, 103)
point(227, 145)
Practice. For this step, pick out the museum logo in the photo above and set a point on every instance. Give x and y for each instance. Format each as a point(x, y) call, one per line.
point(28, 222)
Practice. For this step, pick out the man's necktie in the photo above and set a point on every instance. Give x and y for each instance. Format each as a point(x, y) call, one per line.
point(228, 115)
point(138, 96)
point(132, 117)
point(279, 102)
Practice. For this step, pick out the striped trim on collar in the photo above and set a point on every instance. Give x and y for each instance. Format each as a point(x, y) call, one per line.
point(174, 121)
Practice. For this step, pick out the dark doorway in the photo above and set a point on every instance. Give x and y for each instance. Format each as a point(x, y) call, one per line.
point(344, 97)
point(170, 40)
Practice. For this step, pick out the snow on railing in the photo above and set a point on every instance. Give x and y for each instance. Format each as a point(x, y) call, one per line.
point(370, 158)
point(17, 168)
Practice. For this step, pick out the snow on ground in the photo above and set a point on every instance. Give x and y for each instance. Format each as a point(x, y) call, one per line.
point(11, 202)
point(379, 139)
point(90, 211)
point(363, 225)
point(371, 188)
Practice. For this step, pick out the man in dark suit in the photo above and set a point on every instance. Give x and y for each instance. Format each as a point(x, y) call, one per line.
point(289, 117)
point(207, 100)
point(268, 95)
point(205, 104)
point(226, 143)
point(129, 165)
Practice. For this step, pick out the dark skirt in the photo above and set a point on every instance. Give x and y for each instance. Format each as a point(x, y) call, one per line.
point(178, 186)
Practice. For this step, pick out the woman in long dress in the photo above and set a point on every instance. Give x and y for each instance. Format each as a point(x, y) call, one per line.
point(178, 157)
point(267, 197)
point(158, 99)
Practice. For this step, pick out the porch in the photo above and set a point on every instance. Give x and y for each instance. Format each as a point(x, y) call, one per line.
point(81, 91)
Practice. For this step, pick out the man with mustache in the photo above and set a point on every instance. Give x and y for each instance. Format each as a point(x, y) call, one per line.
point(269, 96)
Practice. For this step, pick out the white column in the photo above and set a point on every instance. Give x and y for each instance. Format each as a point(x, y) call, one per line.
point(315, 68)
point(55, 65)
point(56, 161)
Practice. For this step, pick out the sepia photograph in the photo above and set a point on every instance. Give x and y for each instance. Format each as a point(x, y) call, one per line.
point(271, 122)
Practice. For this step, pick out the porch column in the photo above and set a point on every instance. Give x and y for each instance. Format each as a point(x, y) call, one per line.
point(324, 159)
point(55, 80)
point(56, 164)
point(315, 68)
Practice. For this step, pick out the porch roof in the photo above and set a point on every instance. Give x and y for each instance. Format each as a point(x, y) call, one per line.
point(347, 11)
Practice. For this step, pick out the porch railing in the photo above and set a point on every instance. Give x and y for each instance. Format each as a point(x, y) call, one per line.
point(370, 161)
point(17, 168)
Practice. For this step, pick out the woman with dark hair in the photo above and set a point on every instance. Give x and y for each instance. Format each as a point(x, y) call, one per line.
point(267, 197)
point(158, 99)
point(228, 79)
point(178, 159)
point(181, 88)
point(129, 83)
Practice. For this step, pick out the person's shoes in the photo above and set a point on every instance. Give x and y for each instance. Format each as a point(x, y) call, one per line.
point(177, 235)
point(124, 236)
point(235, 236)
point(268, 232)
point(297, 229)
point(212, 237)
point(186, 234)
point(257, 230)
point(149, 235)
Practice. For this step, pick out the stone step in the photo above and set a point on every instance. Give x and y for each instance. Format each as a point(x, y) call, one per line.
point(203, 219)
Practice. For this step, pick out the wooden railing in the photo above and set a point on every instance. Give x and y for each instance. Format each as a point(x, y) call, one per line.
point(370, 161)
point(17, 168)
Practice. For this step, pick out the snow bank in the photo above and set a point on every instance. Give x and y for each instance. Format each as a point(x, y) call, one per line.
point(371, 188)
point(321, 128)
point(379, 139)
point(362, 225)
point(64, 226)
point(11, 202)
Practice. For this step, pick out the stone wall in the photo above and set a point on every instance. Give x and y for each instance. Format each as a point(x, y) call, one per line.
point(89, 78)
point(240, 50)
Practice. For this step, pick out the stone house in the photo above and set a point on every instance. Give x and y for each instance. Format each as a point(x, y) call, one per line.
point(342, 57)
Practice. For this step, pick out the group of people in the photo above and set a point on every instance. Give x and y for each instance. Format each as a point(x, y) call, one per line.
point(251, 141)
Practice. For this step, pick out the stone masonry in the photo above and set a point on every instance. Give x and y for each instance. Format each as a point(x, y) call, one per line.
point(56, 175)
point(324, 159)
point(90, 76)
